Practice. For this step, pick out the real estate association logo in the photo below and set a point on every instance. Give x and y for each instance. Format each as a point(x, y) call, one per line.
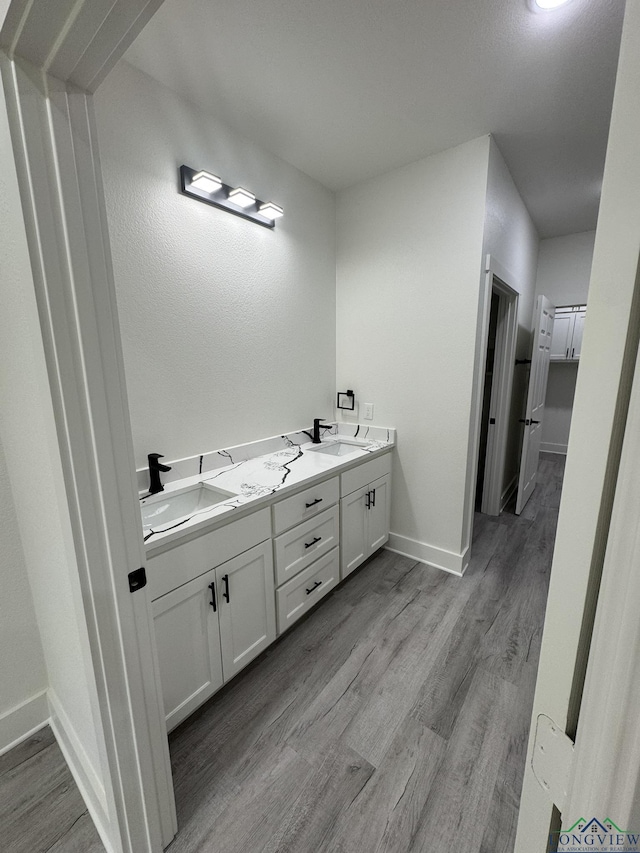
point(594, 836)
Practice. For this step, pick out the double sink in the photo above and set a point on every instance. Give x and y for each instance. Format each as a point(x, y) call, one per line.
point(163, 509)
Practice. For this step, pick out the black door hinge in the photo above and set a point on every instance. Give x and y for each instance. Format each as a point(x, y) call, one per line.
point(137, 579)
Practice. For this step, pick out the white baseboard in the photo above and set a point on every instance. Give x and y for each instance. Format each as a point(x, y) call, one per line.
point(550, 447)
point(447, 561)
point(19, 723)
point(508, 493)
point(82, 770)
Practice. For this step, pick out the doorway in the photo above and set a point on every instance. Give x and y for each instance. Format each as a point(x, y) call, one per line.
point(486, 398)
point(501, 313)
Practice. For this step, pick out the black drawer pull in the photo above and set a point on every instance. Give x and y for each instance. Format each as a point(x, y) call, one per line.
point(367, 501)
point(313, 542)
point(212, 587)
point(315, 586)
point(225, 581)
point(313, 503)
point(373, 497)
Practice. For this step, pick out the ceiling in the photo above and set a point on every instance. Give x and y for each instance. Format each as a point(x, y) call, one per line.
point(348, 89)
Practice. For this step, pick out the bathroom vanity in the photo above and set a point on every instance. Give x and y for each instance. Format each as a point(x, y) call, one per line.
point(243, 564)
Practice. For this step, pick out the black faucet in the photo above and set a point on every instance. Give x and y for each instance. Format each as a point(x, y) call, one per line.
point(154, 472)
point(316, 430)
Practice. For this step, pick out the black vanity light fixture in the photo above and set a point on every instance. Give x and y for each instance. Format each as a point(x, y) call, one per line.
point(346, 400)
point(211, 190)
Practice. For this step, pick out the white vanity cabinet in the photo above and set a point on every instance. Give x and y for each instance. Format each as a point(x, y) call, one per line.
point(364, 512)
point(187, 632)
point(211, 626)
point(220, 597)
point(568, 328)
point(305, 555)
point(246, 607)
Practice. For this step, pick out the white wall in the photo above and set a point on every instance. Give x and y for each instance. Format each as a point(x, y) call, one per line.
point(23, 679)
point(228, 328)
point(564, 268)
point(408, 273)
point(29, 440)
point(511, 237)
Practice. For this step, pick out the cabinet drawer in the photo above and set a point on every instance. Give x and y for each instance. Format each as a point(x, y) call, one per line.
point(180, 564)
point(302, 592)
point(299, 547)
point(304, 505)
point(366, 473)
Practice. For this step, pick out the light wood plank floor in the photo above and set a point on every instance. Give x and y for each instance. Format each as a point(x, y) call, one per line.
point(40, 806)
point(394, 718)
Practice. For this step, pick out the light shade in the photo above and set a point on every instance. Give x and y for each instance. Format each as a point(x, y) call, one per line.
point(206, 182)
point(550, 4)
point(270, 210)
point(242, 197)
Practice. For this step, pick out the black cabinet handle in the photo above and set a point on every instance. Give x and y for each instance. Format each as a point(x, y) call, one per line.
point(313, 542)
point(225, 581)
point(212, 587)
point(313, 503)
point(573, 352)
point(567, 352)
point(534, 422)
point(373, 497)
point(315, 586)
point(367, 501)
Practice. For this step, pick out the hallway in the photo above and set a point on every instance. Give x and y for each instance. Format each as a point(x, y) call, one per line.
point(395, 718)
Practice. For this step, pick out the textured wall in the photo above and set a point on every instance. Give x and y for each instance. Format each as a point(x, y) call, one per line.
point(564, 269)
point(409, 258)
point(228, 328)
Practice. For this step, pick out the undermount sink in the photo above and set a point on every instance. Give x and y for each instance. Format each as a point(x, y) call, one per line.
point(158, 510)
point(338, 448)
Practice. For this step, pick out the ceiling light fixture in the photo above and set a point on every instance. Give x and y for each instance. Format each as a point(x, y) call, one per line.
point(206, 181)
point(241, 197)
point(210, 189)
point(547, 5)
point(270, 210)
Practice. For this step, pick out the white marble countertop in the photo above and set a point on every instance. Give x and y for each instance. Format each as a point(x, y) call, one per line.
point(294, 461)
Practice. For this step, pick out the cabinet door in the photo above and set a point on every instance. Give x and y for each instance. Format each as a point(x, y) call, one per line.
point(188, 642)
point(378, 514)
point(578, 330)
point(353, 531)
point(247, 607)
point(561, 336)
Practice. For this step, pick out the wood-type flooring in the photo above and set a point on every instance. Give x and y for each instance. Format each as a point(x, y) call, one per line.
point(393, 719)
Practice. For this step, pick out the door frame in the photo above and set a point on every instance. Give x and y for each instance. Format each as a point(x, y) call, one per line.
point(493, 270)
point(501, 388)
point(52, 61)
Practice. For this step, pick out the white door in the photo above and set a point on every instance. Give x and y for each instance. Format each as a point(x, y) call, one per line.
point(188, 641)
point(247, 607)
point(562, 333)
point(543, 329)
point(378, 514)
point(353, 544)
point(578, 331)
